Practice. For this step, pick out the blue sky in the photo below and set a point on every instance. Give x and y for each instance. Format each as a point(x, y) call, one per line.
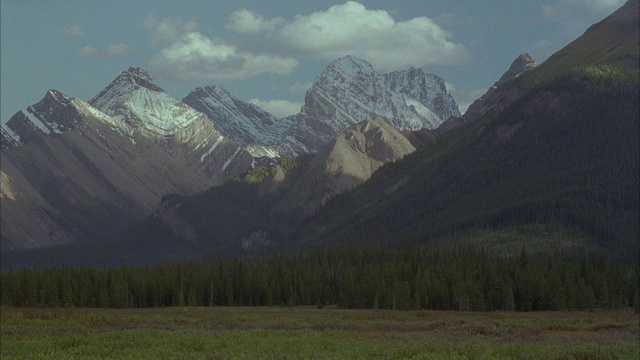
point(269, 52)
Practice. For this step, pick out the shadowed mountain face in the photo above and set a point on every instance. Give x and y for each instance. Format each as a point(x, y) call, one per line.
point(519, 66)
point(256, 212)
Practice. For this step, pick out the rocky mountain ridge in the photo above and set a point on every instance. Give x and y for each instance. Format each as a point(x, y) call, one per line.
point(349, 91)
point(133, 143)
point(243, 122)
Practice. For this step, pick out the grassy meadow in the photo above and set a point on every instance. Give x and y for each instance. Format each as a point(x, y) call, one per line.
point(310, 333)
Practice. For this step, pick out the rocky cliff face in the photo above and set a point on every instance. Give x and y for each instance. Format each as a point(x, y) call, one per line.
point(54, 114)
point(242, 122)
point(350, 91)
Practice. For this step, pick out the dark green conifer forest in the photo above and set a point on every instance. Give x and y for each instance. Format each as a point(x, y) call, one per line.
point(435, 278)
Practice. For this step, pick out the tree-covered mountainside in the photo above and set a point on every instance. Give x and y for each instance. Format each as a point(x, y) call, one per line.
point(565, 153)
point(559, 146)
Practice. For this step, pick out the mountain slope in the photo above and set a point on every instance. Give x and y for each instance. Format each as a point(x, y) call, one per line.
point(255, 212)
point(346, 162)
point(252, 214)
point(65, 186)
point(563, 153)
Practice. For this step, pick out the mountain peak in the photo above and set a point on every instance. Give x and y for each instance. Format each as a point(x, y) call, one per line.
point(349, 91)
point(124, 85)
point(140, 77)
point(523, 63)
point(350, 62)
point(55, 95)
point(55, 113)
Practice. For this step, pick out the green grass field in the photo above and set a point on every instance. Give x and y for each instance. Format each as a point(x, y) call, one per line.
point(309, 333)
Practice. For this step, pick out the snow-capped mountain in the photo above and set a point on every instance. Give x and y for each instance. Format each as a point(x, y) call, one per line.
point(349, 91)
point(71, 170)
point(243, 122)
point(134, 98)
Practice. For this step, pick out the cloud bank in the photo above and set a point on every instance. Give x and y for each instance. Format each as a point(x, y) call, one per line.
point(348, 29)
point(352, 29)
point(190, 56)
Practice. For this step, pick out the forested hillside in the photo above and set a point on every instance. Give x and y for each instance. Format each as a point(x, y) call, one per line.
point(565, 153)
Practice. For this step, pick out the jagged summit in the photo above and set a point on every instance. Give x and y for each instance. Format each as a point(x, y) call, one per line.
point(347, 64)
point(349, 91)
point(130, 79)
point(54, 113)
point(134, 98)
point(519, 66)
point(112, 98)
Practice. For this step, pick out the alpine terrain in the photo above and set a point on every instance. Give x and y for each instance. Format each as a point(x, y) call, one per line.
point(549, 161)
point(349, 91)
point(71, 169)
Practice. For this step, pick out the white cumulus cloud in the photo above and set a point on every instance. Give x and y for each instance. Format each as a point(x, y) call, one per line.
point(279, 108)
point(374, 35)
point(246, 22)
point(196, 57)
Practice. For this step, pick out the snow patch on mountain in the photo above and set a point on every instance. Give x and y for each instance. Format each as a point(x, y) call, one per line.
point(213, 147)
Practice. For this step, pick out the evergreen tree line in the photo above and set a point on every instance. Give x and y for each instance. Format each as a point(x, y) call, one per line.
point(438, 278)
